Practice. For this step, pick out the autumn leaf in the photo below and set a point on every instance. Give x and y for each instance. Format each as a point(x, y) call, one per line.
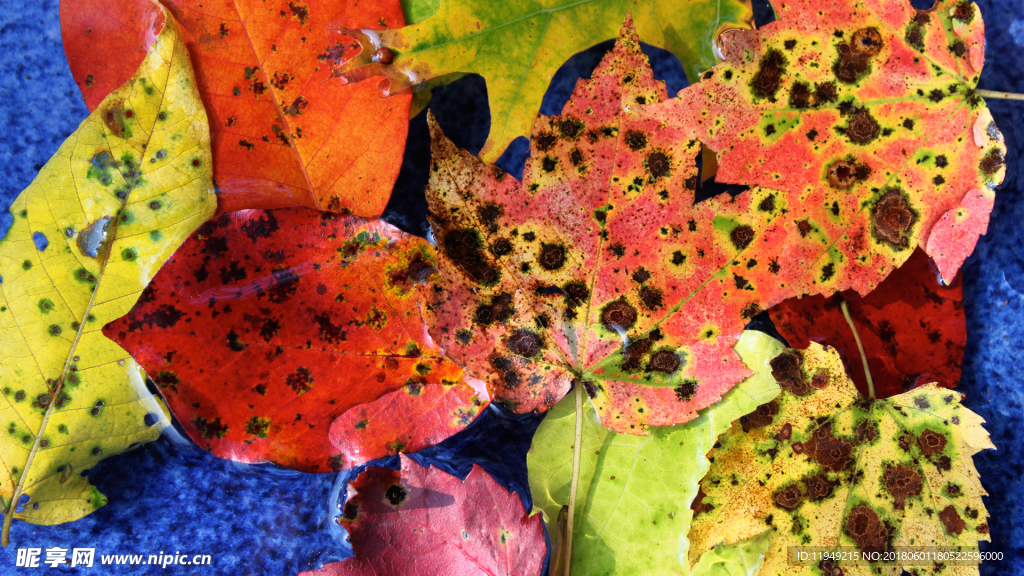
point(517, 46)
point(864, 114)
point(912, 327)
point(425, 521)
point(284, 133)
point(268, 326)
point(600, 268)
point(89, 232)
point(823, 466)
point(637, 490)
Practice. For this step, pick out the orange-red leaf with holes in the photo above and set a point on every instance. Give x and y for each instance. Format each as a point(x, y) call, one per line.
point(912, 326)
point(284, 132)
point(268, 326)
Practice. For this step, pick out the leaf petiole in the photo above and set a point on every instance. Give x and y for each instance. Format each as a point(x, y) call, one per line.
point(860, 348)
point(998, 95)
point(577, 448)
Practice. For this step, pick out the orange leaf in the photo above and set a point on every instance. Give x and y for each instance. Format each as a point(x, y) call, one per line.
point(284, 132)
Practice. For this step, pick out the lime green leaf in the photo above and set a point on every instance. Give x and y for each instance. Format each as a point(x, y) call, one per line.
point(634, 493)
point(740, 559)
point(89, 233)
point(822, 466)
point(518, 45)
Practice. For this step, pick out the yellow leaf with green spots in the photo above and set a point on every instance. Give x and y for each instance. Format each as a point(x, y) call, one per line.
point(518, 45)
point(634, 492)
point(821, 466)
point(115, 201)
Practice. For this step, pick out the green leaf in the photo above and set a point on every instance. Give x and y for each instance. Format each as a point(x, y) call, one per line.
point(740, 559)
point(634, 493)
point(518, 45)
point(822, 466)
point(89, 233)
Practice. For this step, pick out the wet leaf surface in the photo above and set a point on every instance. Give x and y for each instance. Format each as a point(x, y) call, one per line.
point(424, 521)
point(284, 133)
point(822, 466)
point(863, 114)
point(912, 327)
point(268, 326)
point(89, 233)
point(518, 45)
point(636, 514)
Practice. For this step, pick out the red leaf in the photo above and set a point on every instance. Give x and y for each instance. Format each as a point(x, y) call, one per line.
point(266, 326)
point(865, 110)
point(425, 521)
point(911, 322)
point(284, 132)
point(405, 420)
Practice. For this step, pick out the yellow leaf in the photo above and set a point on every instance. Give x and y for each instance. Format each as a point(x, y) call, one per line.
point(823, 467)
point(115, 201)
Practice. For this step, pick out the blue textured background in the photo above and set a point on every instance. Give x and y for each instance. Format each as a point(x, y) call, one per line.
point(169, 496)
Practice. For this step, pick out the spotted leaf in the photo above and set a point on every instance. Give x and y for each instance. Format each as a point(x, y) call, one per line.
point(863, 114)
point(518, 45)
point(912, 327)
point(83, 245)
point(638, 489)
point(284, 133)
point(268, 326)
point(823, 466)
point(599, 266)
point(425, 521)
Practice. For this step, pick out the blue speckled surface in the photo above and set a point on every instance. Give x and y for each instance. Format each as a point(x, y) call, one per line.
point(167, 496)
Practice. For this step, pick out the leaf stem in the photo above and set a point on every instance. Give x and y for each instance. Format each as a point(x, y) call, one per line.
point(577, 450)
point(860, 347)
point(998, 95)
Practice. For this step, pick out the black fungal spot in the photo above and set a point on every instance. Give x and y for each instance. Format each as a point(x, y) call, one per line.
point(657, 164)
point(571, 128)
point(501, 247)
point(861, 128)
point(395, 495)
point(549, 164)
point(525, 343)
point(618, 313)
point(465, 249)
point(843, 174)
point(768, 78)
point(800, 95)
point(651, 298)
point(546, 141)
point(552, 256)
point(686, 391)
point(892, 217)
point(855, 57)
point(664, 361)
point(742, 236)
point(636, 140)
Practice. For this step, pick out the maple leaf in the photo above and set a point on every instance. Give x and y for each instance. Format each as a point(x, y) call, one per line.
point(89, 232)
point(425, 521)
point(600, 268)
point(826, 467)
point(912, 327)
point(864, 113)
point(636, 515)
point(284, 133)
point(517, 46)
point(268, 326)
